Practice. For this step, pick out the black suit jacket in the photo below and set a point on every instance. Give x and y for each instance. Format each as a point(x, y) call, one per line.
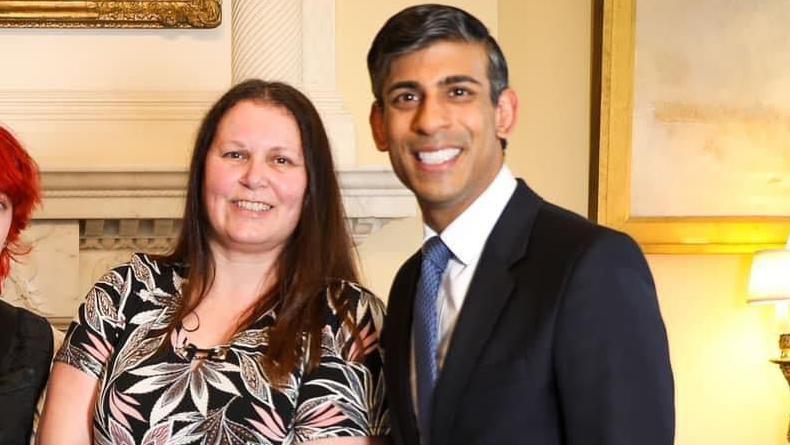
point(559, 341)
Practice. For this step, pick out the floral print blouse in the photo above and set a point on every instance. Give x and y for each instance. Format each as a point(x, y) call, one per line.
point(154, 395)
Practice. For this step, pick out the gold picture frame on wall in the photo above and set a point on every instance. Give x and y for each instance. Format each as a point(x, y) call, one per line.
point(110, 14)
point(718, 232)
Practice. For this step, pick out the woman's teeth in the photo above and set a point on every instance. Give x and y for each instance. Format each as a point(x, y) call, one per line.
point(253, 206)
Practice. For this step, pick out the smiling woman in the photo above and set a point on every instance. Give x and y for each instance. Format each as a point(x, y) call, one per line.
point(255, 178)
point(110, 14)
point(253, 329)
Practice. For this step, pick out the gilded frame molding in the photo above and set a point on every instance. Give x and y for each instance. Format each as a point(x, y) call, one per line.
point(110, 14)
point(664, 235)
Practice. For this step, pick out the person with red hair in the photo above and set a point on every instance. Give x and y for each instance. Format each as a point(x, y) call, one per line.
point(26, 339)
point(19, 195)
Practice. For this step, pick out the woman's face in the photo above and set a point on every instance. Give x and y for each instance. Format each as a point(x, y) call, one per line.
point(6, 211)
point(255, 178)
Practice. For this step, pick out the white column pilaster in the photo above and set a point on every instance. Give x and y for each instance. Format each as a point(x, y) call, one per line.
point(266, 40)
point(294, 41)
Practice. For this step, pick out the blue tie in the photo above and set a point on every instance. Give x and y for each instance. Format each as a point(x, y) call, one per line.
point(434, 260)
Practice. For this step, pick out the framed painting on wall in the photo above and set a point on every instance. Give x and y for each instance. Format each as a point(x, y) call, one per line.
point(694, 141)
point(110, 14)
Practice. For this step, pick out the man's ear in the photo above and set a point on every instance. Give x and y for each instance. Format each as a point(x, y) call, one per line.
point(377, 126)
point(506, 113)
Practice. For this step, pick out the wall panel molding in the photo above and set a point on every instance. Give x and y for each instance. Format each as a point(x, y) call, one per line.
point(69, 105)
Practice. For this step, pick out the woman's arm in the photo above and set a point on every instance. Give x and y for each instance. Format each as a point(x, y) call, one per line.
point(68, 410)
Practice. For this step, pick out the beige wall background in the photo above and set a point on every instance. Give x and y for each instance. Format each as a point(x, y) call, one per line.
point(727, 391)
point(139, 94)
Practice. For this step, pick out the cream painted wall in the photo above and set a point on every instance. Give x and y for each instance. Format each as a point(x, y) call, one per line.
point(117, 59)
point(111, 97)
point(547, 45)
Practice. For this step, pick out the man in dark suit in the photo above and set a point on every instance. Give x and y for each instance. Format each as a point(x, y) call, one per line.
point(518, 322)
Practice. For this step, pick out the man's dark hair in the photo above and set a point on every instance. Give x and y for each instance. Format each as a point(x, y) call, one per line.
point(418, 27)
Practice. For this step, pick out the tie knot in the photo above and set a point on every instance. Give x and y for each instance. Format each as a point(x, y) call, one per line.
point(435, 251)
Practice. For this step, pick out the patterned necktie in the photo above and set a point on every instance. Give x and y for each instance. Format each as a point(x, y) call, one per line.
point(434, 260)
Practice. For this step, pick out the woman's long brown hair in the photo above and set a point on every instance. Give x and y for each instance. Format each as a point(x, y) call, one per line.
point(318, 256)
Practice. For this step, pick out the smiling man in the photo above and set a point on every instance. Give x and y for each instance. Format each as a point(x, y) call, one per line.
point(518, 322)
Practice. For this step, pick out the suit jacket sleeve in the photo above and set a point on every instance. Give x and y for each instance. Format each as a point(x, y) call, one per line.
point(614, 377)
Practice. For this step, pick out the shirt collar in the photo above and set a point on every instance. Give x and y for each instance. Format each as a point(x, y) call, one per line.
point(467, 234)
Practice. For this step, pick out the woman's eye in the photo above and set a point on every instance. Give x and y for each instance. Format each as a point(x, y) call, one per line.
point(233, 155)
point(282, 160)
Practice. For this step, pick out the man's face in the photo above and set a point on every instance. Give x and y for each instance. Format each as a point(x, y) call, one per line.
point(440, 128)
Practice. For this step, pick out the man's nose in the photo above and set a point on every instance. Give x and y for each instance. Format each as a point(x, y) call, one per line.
point(432, 115)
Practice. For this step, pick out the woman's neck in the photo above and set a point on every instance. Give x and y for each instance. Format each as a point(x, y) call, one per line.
point(240, 278)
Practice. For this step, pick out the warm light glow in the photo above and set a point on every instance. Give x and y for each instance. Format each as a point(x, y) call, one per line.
point(770, 278)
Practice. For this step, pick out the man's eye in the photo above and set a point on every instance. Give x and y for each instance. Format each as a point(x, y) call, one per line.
point(405, 98)
point(459, 92)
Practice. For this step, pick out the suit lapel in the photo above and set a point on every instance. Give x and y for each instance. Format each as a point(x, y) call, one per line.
point(397, 351)
point(488, 293)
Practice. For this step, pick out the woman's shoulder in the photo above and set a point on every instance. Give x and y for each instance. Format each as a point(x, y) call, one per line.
point(353, 300)
point(142, 274)
point(144, 266)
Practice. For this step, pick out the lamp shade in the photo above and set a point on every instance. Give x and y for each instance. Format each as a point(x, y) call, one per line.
point(769, 281)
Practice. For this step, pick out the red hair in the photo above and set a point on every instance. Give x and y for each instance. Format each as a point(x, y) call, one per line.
point(19, 180)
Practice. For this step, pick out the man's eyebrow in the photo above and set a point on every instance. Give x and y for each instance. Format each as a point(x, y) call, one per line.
point(450, 80)
point(406, 84)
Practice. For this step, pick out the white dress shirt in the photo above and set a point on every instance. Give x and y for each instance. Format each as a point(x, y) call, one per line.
point(465, 237)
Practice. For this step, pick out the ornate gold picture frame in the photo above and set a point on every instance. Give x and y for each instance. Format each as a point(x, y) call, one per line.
point(664, 234)
point(110, 14)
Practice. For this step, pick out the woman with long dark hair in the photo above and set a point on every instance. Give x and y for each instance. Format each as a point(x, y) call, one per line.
point(253, 330)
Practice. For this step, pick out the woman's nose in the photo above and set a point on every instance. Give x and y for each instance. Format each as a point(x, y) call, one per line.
point(255, 175)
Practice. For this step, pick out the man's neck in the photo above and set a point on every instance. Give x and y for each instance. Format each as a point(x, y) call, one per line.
point(440, 216)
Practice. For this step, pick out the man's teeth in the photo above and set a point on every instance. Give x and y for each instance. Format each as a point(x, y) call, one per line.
point(438, 156)
point(253, 206)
